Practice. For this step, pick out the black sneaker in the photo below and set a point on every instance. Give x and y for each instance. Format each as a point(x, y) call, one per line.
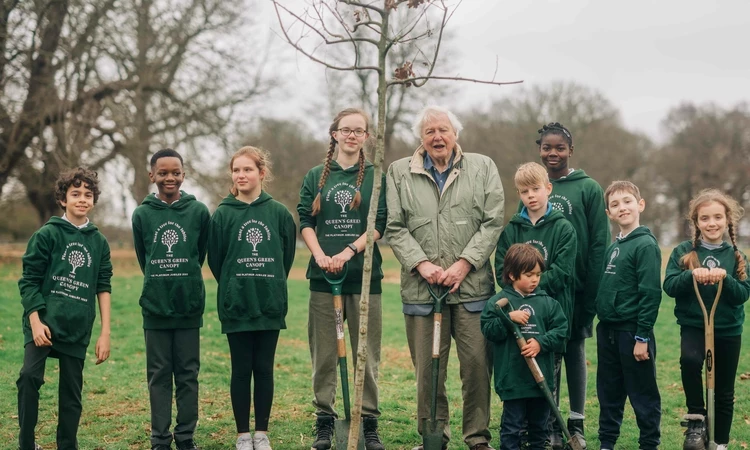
point(695, 435)
point(323, 433)
point(161, 447)
point(187, 445)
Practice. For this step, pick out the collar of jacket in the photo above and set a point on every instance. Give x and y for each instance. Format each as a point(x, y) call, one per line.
point(417, 165)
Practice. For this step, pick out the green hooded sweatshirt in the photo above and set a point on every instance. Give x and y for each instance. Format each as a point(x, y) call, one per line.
point(170, 242)
point(678, 284)
point(630, 288)
point(250, 252)
point(547, 324)
point(555, 239)
point(581, 200)
point(337, 225)
point(64, 268)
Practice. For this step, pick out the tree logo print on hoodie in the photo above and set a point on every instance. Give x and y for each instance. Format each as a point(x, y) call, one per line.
point(77, 255)
point(168, 234)
point(254, 232)
point(530, 327)
point(561, 203)
point(255, 237)
point(342, 195)
point(711, 262)
point(611, 265)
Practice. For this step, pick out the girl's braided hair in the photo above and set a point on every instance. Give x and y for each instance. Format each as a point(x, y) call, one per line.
point(357, 200)
point(554, 128)
point(733, 211)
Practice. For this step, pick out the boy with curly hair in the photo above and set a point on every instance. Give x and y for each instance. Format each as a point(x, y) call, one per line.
point(65, 268)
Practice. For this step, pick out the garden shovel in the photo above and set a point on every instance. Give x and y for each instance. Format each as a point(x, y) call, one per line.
point(708, 329)
point(432, 429)
point(341, 426)
point(572, 444)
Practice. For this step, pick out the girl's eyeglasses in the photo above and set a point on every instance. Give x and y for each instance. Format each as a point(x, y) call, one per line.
point(347, 131)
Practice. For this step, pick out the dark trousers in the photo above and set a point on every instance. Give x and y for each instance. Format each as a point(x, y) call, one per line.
point(515, 413)
point(31, 379)
point(172, 354)
point(252, 354)
point(620, 376)
point(726, 358)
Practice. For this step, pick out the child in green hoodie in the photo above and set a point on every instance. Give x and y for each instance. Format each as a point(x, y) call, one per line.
point(170, 231)
point(627, 305)
point(708, 258)
point(65, 268)
point(334, 201)
point(581, 200)
point(251, 249)
point(543, 324)
point(549, 231)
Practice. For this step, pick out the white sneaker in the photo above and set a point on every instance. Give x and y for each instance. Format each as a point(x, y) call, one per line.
point(244, 442)
point(261, 442)
point(723, 447)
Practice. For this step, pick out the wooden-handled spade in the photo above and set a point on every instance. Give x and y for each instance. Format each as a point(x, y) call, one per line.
point(341, 426)
point(432, 429)
point(536, 371)
point(708, 329)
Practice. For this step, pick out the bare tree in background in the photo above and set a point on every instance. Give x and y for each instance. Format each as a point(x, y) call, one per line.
point(191, 72)
point(349, 24)
point(604, 148)
point(47, 49)
point(708, 146)
point(88, 81)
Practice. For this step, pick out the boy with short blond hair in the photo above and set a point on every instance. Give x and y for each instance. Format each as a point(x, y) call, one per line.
point(546, 229)
point(627, 305)
point(65, 268)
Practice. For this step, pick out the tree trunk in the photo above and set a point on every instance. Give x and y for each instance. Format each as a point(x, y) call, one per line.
point(364, 302)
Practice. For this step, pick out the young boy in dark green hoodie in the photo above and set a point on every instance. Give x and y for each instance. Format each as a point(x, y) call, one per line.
point(547, 229)
point(170, 232)
point(543, 324)
point(65, 268)
point(627, 305)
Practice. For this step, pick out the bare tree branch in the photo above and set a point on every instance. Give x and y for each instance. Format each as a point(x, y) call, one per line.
point(411, 80)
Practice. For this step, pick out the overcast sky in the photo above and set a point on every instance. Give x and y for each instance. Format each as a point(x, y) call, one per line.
point(645, 56)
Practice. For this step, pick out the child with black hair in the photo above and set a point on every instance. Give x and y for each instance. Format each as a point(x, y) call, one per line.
point(543, 324)
point(65, 268)
point(708, 258)
point(170, 232)
point(334, 201)
point(581, 200)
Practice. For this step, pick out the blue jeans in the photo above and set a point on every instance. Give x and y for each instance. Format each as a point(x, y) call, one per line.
point(536, 411)
point(620, 376)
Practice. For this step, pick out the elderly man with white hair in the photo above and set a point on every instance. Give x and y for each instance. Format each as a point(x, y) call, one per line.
point(445, 214)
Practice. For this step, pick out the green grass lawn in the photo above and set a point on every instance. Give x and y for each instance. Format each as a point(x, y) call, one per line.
point(116, 411)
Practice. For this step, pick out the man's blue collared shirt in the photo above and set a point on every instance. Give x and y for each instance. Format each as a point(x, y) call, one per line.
point(440, 178)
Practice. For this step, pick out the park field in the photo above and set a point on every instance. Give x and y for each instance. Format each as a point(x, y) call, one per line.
point(116, 410)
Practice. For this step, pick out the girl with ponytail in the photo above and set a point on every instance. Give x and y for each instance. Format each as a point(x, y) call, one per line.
point(709, 258)
point(334, 201)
